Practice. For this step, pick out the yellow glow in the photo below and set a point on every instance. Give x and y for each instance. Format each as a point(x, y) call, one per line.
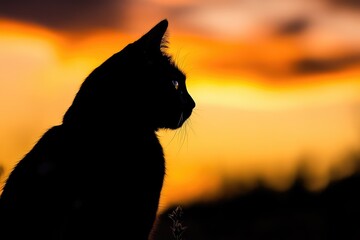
point(238, 92)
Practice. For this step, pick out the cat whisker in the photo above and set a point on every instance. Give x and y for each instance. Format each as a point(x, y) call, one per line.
point(182, 133)
point(189, 123)
point(183, 136)
point(180, 120)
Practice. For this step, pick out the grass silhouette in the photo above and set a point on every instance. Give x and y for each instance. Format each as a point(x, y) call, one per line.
point(177, 226)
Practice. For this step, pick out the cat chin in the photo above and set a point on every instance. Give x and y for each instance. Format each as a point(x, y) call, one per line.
point(173, 126)
point(179, 124)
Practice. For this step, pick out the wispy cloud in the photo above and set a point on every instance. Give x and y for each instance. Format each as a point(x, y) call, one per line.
point(274, 37)
point(66, 14)
point(311, 66)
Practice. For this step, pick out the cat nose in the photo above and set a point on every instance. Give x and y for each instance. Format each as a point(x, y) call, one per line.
point(192, 103)
point(187, 101)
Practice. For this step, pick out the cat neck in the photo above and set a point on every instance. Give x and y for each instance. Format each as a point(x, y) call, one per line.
point(109, 126)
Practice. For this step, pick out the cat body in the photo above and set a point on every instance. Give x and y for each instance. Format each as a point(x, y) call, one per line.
point(99, 174)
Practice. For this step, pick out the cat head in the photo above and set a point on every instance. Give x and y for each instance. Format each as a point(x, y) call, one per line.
point(140, 84)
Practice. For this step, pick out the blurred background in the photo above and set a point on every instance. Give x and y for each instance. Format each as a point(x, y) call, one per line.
point(276, 84)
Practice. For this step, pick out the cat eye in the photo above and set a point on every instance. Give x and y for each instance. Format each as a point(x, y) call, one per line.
point(176, 84)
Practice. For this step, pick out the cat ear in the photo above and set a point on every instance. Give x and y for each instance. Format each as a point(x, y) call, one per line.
point(154, 37)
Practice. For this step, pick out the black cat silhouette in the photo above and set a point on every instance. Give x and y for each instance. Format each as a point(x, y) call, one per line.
point(99, 174)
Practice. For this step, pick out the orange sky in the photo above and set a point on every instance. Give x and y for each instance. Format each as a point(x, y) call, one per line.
point(265, 102)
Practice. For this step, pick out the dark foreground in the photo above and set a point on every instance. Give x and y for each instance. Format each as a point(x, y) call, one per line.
point(296, 214)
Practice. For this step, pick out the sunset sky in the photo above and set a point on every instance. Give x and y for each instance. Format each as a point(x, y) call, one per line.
point(277, 83)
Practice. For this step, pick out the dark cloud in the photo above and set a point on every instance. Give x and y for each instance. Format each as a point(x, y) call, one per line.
point(311, 65)
point(66, 14)
point(351, 4)
point(293, 27)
